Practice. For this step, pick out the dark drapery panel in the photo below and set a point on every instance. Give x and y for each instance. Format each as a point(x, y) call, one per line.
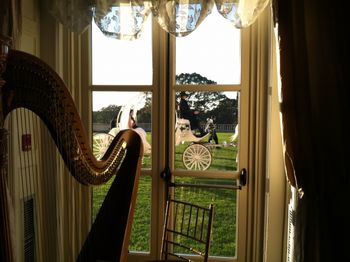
point(315, 103)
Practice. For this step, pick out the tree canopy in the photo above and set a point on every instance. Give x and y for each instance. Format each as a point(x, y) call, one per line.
point(213, 103)
point(105, 114)
point(193, 79)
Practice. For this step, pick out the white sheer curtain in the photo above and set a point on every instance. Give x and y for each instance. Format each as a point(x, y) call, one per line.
point(124, 19)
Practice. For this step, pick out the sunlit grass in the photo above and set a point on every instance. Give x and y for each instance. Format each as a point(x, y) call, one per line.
point(224, 223)
point(224, 226)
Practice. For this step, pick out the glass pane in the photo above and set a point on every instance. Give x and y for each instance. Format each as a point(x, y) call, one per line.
point(111, 113)
point(141, 226)
point(117, 62)
point(223, 237)
point(211, 54)
point(115, 111)
point(205, 131)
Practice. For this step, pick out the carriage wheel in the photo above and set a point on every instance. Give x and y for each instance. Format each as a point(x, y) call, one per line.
point(101, 142)
point(196, 157)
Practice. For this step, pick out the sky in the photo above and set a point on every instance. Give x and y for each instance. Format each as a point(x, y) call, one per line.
point(212, 50)
point(104, 99)
point(119, 61)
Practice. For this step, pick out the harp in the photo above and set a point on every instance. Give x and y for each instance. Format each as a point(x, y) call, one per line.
point(27, 82)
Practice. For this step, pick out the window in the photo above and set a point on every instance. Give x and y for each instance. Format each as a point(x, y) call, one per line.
point(148, 79)
point(118, 62)
point(124, 68)
point(214, 42)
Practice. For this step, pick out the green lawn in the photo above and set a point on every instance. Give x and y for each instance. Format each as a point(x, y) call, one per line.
point(224, 226)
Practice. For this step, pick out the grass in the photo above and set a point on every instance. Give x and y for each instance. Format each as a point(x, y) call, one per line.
point(224, 226)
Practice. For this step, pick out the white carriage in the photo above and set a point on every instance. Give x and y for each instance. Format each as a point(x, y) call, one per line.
point(103, 140)
point(196, 156)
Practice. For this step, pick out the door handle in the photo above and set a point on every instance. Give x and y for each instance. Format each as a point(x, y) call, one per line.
point(243, 177)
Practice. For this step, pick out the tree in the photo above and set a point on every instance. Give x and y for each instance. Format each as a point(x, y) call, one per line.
point(226, 112)
point(144, 114)
point(105, 114)
point(192, 79)
point(214, 103)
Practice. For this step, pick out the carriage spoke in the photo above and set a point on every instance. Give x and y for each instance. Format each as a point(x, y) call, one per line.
point(101, 144)
point(197, 157)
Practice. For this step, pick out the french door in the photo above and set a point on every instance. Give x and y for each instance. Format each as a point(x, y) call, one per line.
point(211, 166)
point(147, 77)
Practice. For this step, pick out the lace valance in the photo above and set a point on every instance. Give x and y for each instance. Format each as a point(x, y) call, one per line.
point(124, 19)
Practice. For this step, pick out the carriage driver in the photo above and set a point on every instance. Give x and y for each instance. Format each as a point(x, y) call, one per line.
point(191, 115)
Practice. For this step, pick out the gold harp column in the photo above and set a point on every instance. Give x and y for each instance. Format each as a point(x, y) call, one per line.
point(5, 235)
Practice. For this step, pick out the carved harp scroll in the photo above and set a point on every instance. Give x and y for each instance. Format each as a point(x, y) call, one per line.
point(28, 82)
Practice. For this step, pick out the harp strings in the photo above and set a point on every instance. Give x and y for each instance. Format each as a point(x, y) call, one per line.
point(32, 179)
point(48, 199)
point(38, 172)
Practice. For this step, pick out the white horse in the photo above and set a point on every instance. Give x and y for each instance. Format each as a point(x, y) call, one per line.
point(234, 137)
